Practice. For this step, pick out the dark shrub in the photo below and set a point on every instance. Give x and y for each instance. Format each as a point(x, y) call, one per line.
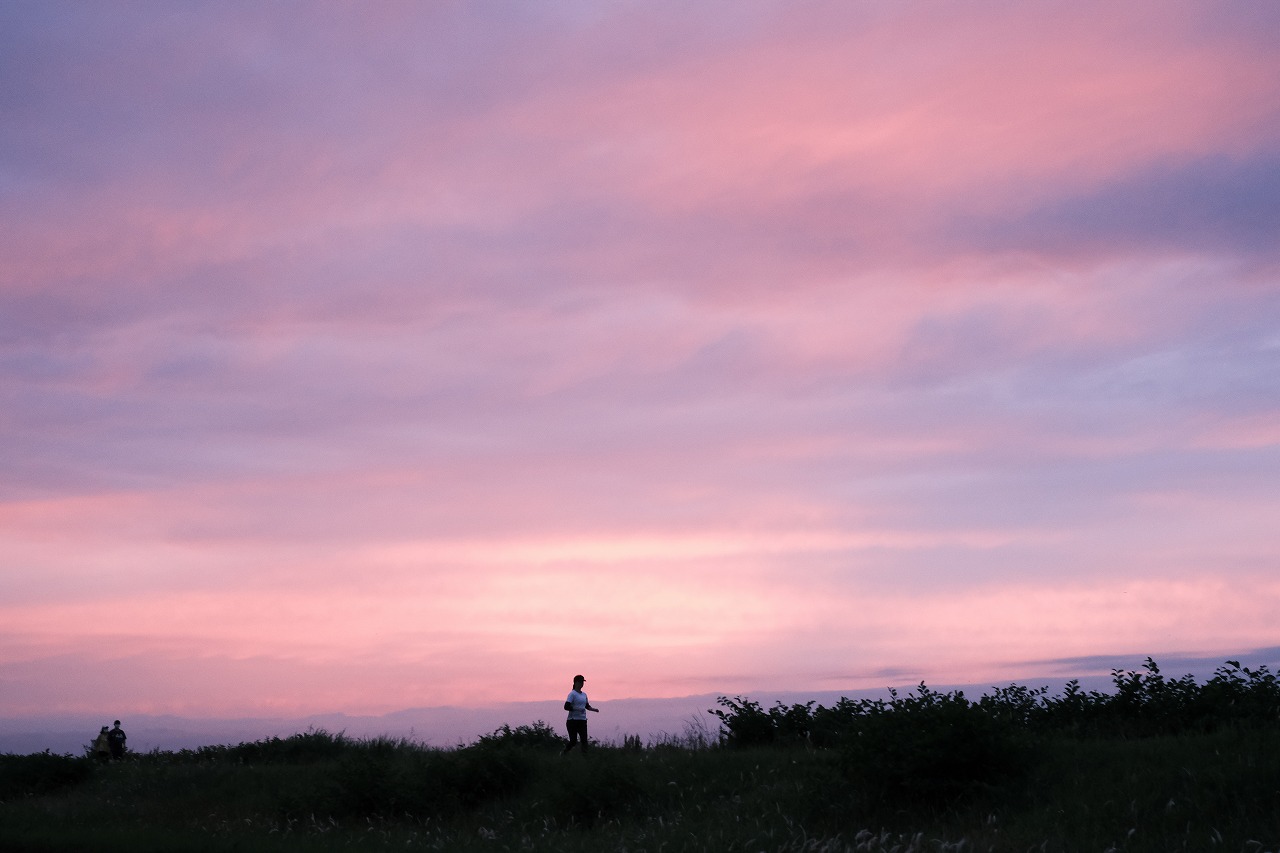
point(744, 723)
point(304, 748)
point(476, 777)
point(595, 787)
point(536, 735)
point(931, 748)
point(41, 773)
point(422, 782)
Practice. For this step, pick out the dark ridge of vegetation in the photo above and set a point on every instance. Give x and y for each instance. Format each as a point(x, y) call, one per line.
point(306, 748)
point(1157, 765)
point(23, 776)
point(1144, 704)
point(535, 735)
point(930, 747)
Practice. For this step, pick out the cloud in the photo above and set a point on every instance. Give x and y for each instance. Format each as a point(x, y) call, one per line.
point(1213, 206)
point(1172, 665)
point(766, 344)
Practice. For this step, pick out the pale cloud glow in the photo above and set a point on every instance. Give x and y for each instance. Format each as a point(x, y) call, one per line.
point(357, 359)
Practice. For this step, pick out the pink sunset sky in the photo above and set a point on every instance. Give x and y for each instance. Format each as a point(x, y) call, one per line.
point(360, 357)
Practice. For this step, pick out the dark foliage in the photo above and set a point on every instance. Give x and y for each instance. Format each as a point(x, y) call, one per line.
point(744, 723)
point(41, 773)
point(420, 782)
point(1158, 764)
point(536, 735)
point(1144, 703)
point(304, 748)
point(596, 789)
point(932, 746)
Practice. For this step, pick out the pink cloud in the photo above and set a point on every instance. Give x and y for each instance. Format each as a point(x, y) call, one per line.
point(375, 360)
point(745, 133)
point(440, 656)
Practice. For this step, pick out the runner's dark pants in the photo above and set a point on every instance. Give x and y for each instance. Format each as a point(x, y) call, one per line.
point(577, 730)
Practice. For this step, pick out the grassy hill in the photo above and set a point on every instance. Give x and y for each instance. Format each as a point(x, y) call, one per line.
point(1156, 765)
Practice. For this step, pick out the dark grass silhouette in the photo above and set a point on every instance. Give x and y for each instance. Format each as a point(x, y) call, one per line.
point(1158, 764)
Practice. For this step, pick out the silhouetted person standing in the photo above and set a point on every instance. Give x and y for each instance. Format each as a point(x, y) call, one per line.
point(116, 739)
point(102, 745)
point(577, 706)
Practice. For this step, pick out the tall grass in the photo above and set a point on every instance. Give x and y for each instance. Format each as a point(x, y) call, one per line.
point(1155, 766)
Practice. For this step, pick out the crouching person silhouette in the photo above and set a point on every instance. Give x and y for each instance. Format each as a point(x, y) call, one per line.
point(577, 705)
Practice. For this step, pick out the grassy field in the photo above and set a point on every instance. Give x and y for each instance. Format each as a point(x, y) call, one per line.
point(929, 772)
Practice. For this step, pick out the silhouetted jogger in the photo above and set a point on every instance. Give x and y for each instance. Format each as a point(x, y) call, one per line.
point(577, 706)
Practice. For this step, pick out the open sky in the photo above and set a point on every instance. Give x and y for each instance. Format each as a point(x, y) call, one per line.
point(357, 357)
